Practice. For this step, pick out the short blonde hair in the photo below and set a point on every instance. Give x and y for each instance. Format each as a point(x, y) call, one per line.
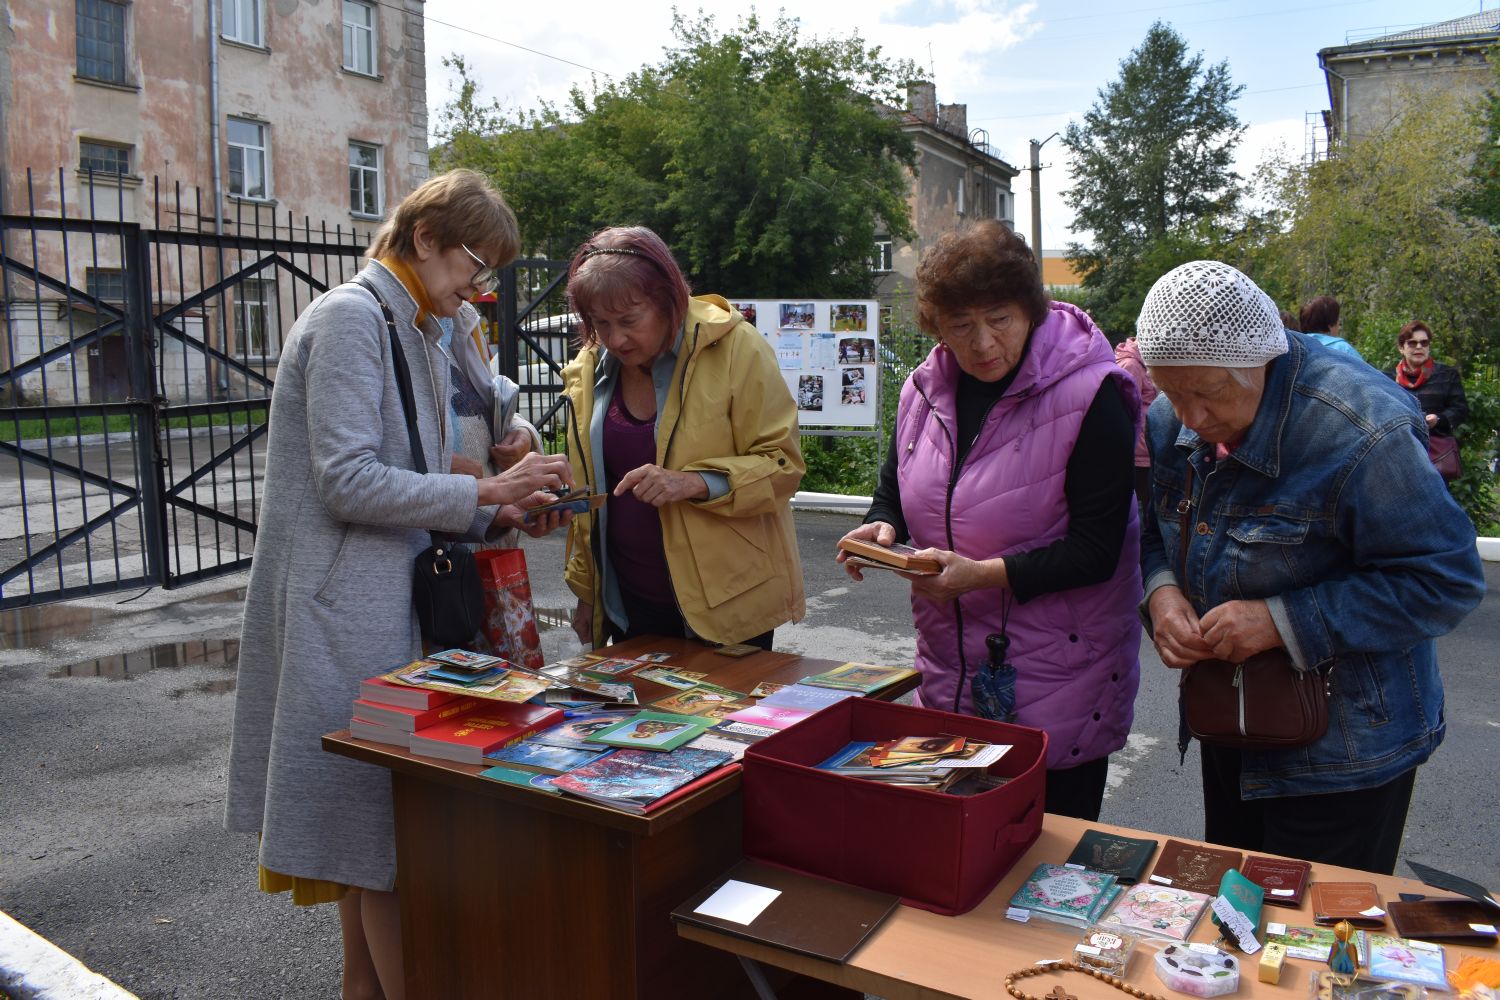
point(458, 207)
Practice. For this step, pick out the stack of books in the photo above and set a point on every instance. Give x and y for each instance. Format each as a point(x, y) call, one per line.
point(937, 763)
point(389, 713)
point(478, 675)
point(486, 727)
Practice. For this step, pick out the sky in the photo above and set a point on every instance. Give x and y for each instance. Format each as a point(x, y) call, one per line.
point(1024, 68)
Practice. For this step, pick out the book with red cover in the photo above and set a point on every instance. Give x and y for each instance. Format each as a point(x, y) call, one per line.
point(374, 732)
point(1282, 878)
point(468, 737)
point(378, 689)
point(409, 720)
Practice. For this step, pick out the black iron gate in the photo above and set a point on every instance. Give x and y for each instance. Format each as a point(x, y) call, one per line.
point(535, 337)
point(139, 348)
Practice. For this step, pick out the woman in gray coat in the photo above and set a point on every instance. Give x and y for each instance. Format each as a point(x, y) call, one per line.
point(343, 517)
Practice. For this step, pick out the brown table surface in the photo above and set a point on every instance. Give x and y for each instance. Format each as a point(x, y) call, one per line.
point(917, 955)
point(735, 673)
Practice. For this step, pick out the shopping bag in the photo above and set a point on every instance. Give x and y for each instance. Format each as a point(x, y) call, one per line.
point(510, 619)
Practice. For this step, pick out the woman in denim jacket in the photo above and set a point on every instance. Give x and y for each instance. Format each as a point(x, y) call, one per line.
point(1318, 525)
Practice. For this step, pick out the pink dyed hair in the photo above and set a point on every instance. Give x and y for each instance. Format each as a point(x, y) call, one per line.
point(622, 265)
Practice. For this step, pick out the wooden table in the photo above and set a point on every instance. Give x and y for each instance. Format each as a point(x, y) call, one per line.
point(917, 955)
point(510, 892)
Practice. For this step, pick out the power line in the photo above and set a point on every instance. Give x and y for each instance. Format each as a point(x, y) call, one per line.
point(492, 38)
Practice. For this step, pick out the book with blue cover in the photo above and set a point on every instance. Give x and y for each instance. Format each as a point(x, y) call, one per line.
point(536, 756)
point(1066, 894)
point(633, 779)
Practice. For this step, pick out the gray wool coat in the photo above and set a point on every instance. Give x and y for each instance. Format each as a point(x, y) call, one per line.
point(329, 602)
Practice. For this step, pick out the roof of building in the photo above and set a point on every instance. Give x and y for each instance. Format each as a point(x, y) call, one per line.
point(1486, 22)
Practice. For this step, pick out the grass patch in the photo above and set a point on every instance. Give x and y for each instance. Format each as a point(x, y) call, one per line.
point(120, 423)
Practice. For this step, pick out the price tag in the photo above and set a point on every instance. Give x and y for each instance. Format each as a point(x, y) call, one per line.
point(1373, 911)
point(1275, 929)
point(1087, 949)
point(1048, 961)
point(1243, 929)
point(1018, 913)
point(1201, 948)
point(1162, 879)
point(1483, 928)
point(1283, 892)
point(1069, 865)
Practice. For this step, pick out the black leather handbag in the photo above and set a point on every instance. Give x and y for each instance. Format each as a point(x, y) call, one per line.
point(445, 587)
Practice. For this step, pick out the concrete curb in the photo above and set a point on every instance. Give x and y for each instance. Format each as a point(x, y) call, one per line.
point(33, 968)
point(1489, 548)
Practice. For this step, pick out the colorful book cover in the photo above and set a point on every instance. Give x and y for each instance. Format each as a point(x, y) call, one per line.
point(769, 716)
point(862, 677)
point(1157, 910)
point(1310, 943)
point(807, 696)
point(612, 669)
point(655, 658)
point(633, 779)
point(652, 731)
point(410, 719)
point(696, 700)
point(465, 658)
point(467, 738)
point(575, 732)
point(544, 756)
point(1403, 960)
point(682, 680)
point(1068, 895)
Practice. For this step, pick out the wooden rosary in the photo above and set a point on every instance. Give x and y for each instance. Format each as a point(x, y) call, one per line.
point(1058, 993)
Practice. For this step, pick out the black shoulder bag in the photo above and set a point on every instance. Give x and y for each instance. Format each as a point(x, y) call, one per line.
point(445, 587)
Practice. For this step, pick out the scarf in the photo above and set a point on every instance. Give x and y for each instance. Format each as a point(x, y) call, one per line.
point(1408, 379)
point(412, 283)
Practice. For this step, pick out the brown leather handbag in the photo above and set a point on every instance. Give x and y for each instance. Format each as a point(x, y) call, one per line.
point(1264, 703)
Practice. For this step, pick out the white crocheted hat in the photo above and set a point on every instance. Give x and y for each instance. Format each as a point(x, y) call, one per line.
point(1207, 313)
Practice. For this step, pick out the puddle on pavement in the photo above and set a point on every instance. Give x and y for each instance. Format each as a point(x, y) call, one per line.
point(37, 626)
point(124, 666)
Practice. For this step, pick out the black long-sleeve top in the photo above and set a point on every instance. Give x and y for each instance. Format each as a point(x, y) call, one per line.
point(1442, 394)
point(1098, 487)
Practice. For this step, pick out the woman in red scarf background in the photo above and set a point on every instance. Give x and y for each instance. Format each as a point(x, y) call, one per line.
point(1437, 387)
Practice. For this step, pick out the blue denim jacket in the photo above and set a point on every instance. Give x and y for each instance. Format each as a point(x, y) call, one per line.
point(1330, 511)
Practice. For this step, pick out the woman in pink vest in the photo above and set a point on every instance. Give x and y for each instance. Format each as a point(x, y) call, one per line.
point(1012, 465)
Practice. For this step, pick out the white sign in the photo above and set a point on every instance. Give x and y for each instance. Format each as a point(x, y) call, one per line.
point(828, 351)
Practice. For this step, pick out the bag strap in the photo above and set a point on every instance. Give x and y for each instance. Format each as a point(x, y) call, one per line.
point(403, 386)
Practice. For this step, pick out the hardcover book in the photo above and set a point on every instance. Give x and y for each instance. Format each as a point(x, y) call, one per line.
point(1284, 879)
point(1356, 902)
point(652, 731)
point(467, 738)
point(363, 729)
point(1157, 910)
point(633, 779)
point(409, 720)
point(1462, 921)
point(1067, 895)
point(1125, 858)
point(902, 557)
point(1194, 867)
point(384, 692)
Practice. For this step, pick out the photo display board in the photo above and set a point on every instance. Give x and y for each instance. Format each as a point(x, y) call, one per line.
point(827, 350)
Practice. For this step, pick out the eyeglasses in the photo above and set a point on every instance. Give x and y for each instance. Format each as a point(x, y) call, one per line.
point(1418, 343)
point(487, 278)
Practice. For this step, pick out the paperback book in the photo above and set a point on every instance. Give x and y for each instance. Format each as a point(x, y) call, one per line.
point(575, 732)
point(634, 779)
point(409, 720)
point(363, 729)
point(806, 696)
point(385, 692)
point(1157, 910)
point(1310, 943)
point(864, 678)
point(467, 738)
point(1403, 960)
point(658, 731)
point(770, 716)
point(1074, 896)
point(696, 700)
point(533, 756)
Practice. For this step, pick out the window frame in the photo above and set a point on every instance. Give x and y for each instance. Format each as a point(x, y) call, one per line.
point(91, 276)
point(121, 77)
point(960, 201)
point(351, 52)
point(259, 27)
point(264, 307)
point(265, 158)
point(883, 260)
point(84, 167)
point(379, 183)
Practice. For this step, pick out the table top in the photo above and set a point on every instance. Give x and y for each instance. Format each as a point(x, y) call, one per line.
point(736, 673)
point(918, 955)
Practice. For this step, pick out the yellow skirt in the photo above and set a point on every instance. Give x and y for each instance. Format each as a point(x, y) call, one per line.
point(305, 891)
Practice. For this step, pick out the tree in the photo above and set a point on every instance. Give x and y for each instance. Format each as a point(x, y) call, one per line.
point(767, 162)
point(1151, 167)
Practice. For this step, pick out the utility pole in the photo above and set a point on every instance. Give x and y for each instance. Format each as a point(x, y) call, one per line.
point(1036, 197)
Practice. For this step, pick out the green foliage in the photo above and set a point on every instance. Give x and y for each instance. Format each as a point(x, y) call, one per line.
point(1483, 200)
point(766, 161)
point(1478, 438)
point(1151, 163)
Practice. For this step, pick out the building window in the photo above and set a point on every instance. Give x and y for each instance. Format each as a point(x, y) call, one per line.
point(887, 317)
point(105, 283)
point(960, 196)
point(364, 178)
point(255, 317)
point(1000, 207)
point(881, 260)
point(101, 40)
point(241, 22)
point(359, 36)
point(249, 159)
point(103, 157)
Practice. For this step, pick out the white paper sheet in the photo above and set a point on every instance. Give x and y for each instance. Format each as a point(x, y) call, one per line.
point(738, 901)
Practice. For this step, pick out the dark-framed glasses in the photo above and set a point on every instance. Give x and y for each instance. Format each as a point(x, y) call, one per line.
point(487, 278)
point(1418, 343)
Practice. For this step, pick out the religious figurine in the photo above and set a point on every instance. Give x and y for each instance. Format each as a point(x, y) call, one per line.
point(1343, 957)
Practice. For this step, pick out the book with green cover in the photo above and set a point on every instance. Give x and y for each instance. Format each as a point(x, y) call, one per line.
point(653, 731)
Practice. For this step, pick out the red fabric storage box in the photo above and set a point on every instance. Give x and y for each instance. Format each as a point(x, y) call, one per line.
point(940, 852)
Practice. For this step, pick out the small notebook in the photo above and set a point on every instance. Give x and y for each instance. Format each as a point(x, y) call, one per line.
point(811, 916)
point(1125, 858)
point(1461, 921)
point(1356, 902)
point(1284, 879)
point(1193, 866)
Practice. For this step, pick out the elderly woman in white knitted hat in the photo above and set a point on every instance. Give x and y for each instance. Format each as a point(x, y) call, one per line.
point(1294, 506)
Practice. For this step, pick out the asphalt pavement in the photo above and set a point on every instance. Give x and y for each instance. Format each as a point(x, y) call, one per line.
point(113, 755)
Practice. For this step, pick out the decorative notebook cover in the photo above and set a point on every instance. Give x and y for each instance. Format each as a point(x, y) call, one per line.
point(1125, 858)
point(1068, 895)
point(1459, 920)
point(1356, 902)
point(1405, 961)
point(1193, 866)
point(1284, 879)
point(1158, 910)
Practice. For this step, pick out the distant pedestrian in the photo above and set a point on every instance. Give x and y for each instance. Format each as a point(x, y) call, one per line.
point(1320, 320)
point(1438, 390)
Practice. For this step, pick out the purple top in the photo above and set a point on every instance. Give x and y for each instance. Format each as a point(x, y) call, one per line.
point(635, 550)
